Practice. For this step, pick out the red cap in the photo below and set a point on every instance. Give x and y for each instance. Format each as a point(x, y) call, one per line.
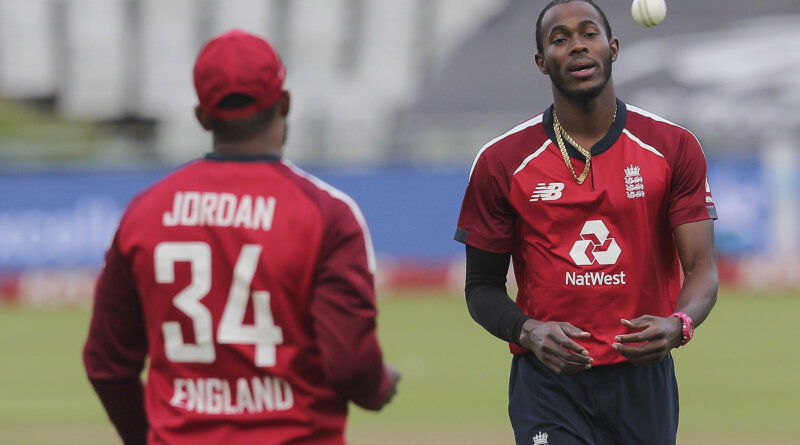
point(238, 63)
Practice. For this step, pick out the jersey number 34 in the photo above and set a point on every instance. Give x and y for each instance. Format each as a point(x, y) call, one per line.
point(262, 333)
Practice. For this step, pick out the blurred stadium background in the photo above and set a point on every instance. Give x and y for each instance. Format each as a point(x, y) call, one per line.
point(391, 101)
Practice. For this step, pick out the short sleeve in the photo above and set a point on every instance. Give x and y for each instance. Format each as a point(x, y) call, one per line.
point(690, 193)
point(486, 220)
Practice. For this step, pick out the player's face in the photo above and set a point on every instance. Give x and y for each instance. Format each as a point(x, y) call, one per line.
point(577, 53)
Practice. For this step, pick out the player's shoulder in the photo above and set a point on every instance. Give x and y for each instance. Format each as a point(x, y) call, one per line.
point(340, 212)
point(509, 147)
point(328, 198)
point(657, 130)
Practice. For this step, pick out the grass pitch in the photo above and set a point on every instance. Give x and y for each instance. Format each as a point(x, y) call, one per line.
point(738, 378)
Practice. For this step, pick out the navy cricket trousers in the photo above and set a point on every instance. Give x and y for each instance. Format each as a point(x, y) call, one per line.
point(606, 405)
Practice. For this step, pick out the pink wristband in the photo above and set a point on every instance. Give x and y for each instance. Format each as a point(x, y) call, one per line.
point(687, 327)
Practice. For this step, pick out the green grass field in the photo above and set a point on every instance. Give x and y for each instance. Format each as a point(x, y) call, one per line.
point(739, 378)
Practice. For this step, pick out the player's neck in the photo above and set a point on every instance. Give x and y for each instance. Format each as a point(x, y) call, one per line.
point(587, 120)
point(268, 142)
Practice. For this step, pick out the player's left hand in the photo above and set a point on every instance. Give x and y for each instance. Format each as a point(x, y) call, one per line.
point(659, 335)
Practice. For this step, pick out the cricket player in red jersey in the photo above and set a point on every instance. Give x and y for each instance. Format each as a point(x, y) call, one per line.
point(602, 206)
point(246, 282)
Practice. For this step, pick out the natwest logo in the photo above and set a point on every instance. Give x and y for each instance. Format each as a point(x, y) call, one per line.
point(595, 246)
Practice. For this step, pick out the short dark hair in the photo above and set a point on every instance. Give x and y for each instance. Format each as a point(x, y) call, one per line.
point(237, 130)
point(539, 46)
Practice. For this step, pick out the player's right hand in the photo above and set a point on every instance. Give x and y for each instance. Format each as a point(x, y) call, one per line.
point(552, 343)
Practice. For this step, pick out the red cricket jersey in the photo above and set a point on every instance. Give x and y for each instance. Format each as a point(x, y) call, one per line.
point(593, 253)
point(249, 286)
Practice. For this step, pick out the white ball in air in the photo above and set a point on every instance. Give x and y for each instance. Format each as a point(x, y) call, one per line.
point(649, 12)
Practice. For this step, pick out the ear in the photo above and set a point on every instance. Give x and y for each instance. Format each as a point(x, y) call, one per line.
point(613, 43)
point(202, 117)
point(540, 62)
point(284, 103)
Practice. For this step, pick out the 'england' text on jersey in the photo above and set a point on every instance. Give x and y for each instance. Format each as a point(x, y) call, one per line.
point(221, 210)
point(594, 279)
point(220, 396)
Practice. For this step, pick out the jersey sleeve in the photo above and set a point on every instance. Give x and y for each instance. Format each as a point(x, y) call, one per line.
point(117, 342)
point(343, 310)
point(690, 193)
point(486, 220)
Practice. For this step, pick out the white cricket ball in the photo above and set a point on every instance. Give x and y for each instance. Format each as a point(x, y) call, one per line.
point(649, 12)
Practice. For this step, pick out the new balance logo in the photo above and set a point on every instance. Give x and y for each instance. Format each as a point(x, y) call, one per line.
point(547, 192)
point(540, 439)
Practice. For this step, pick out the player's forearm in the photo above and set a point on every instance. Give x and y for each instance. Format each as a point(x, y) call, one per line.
point(491, 308)
point(123, 400)
point(487, 299)
point(695, 243)
point(371, 397)
point(357, 371)
point(699, 293)
point(352, 360)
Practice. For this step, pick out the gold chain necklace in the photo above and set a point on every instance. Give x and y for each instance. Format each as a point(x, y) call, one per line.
point(561, 134)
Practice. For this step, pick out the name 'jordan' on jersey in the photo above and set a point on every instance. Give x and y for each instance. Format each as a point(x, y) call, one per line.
point(249, 285)
point(594, 253)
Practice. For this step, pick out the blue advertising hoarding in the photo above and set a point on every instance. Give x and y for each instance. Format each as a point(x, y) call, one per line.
point(66, 218)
